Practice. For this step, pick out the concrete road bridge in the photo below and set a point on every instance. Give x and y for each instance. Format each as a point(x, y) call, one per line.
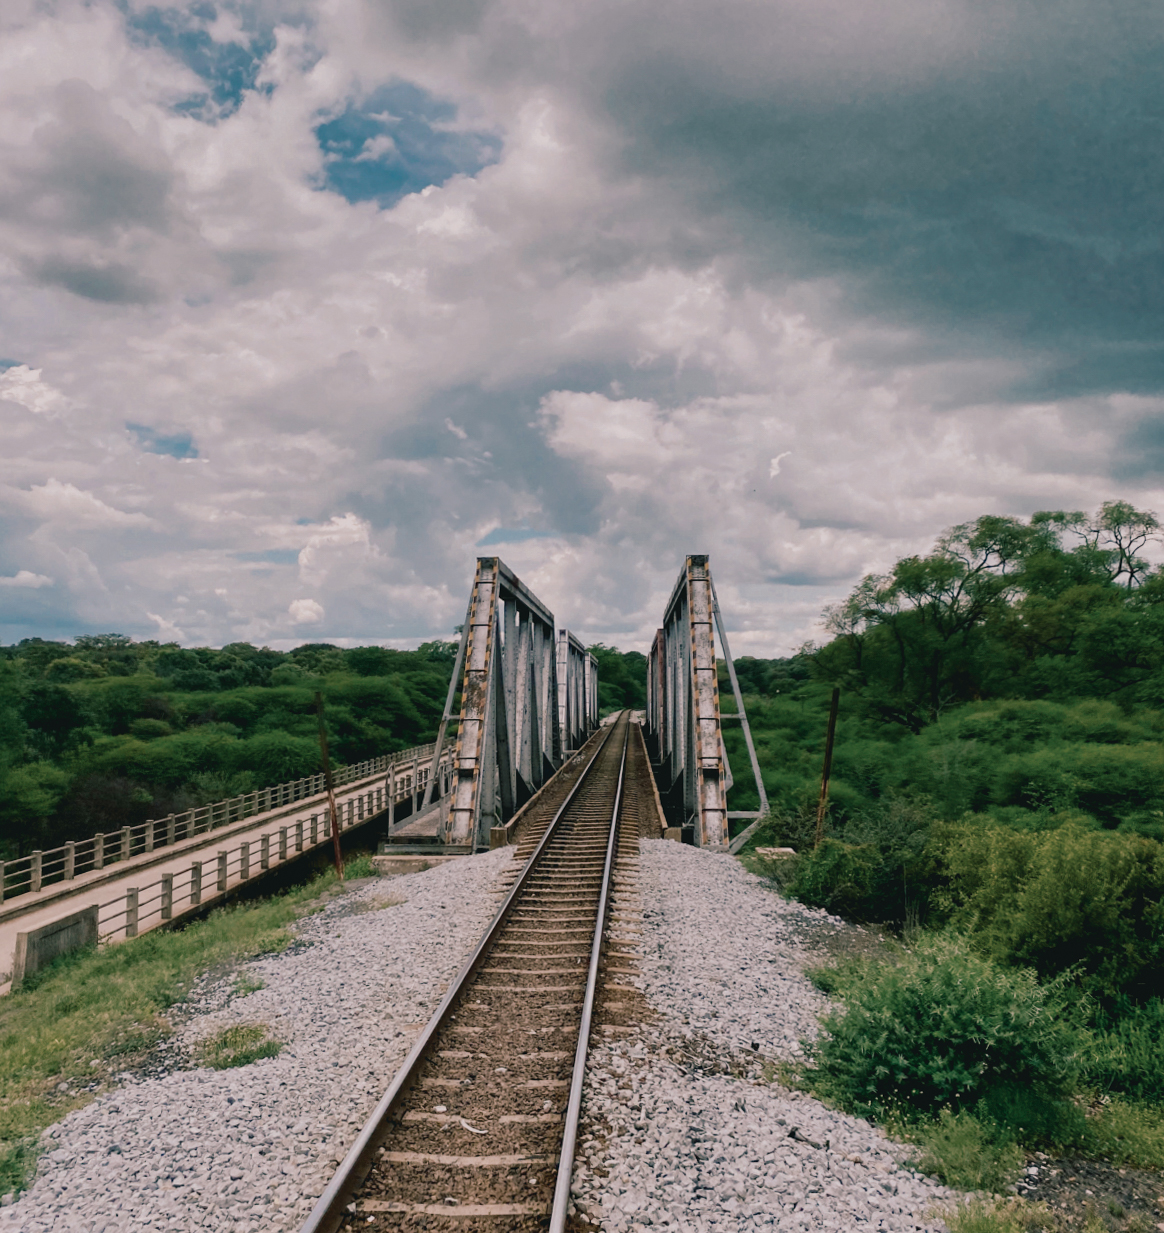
point(522, 699)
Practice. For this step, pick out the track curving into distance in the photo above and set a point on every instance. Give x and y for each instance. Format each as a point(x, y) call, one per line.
point(478, 1128)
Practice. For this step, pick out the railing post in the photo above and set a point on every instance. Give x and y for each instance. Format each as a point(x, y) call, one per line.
point(314, 829)
point(415, 785)
point(195, 884)
point(36, 871)
point(360, 814)
point(244, 861)
point(3, 880)
point(299, 835)
point(170, 831)
point(70, 861)
point(282, 843)
point(167, 896)
point(131, 912)
point(265, 852)
point(222, 857)
point(126, 842)
point(99, 851)
point(391, 796)
point(149, 836)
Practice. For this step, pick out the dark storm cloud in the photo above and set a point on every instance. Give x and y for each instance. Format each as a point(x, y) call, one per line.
point(87, 172)
point(1014, 192)
point(108, 284)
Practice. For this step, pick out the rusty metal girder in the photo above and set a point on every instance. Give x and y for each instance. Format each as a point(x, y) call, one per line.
point(684, 723)
point(510, 738)
point(577, 692)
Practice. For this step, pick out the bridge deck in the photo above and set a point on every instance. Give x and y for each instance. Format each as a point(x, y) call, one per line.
point(107, 888)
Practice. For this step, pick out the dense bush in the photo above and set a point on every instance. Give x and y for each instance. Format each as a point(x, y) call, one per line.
point(945, 1027)
point(108, 732)
point(1058, 900)
point(1127, 1053)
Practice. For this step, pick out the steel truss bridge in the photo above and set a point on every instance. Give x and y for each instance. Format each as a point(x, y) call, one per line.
point(522, 700)
point(529, 696)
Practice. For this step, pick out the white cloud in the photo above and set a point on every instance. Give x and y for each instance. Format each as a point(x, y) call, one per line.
point(23, 385)
point(26, 578)
point(582, 338)
point(69, 507)
point(305, 612)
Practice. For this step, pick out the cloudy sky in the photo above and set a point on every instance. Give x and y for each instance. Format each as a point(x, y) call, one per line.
point(304, 304)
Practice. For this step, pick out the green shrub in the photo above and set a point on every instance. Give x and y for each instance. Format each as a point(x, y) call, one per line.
point(944, 1027)
point(1126, 1132)
point(360, 867)
point(1067, 899)
point(839, 876)
point(968, 1153)
point(1127, 1053)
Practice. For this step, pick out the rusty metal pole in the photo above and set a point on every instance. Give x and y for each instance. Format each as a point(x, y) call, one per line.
point(335, 839)
point(834, 706)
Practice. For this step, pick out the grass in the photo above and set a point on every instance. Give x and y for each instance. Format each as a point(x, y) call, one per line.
point(360, 867)
point(999, 1216)
point(238, 1046)
point(1126, 1132)
point(84, 1016)
point(962, 1151)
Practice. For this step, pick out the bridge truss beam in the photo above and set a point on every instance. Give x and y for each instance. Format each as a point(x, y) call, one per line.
point(684, 722)
point(511, 737)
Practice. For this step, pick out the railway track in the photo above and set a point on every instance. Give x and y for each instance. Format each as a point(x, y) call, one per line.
point(478, 1129)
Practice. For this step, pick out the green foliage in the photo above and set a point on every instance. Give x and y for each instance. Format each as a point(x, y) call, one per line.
point(360, 867)
point(107, 732)
point(1127, 1132)
point(968, 1153)
point(1127, 1052)
point(622, 679)
point(839, 876)
point(238, 1046)
point(1003, 1216)
point(945, 1027)
point(1058, 900)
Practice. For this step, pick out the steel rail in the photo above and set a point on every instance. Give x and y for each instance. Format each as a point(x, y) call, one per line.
point(328, 1213)
point(561, 1204)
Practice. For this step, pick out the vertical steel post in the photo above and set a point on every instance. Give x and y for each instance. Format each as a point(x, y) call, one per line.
point(826, 771)
point(339, 861)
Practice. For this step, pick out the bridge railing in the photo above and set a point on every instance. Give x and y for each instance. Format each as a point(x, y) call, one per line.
point(138, 909)
point(30, 874)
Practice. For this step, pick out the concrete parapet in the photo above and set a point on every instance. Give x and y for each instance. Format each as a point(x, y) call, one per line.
point(41, 946)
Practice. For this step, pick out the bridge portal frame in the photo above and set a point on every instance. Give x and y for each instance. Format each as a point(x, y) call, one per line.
point(684, 719)
point(511, 738)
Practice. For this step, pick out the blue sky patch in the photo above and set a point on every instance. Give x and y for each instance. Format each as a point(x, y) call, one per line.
point(228, 69)
point(512, 535)
point(397, 141)
point(175, 444)
point(272, 556)
point(5, 365)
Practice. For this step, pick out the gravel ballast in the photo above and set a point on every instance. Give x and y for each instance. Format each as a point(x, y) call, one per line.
point(670, 1141)
point(248, 1149)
